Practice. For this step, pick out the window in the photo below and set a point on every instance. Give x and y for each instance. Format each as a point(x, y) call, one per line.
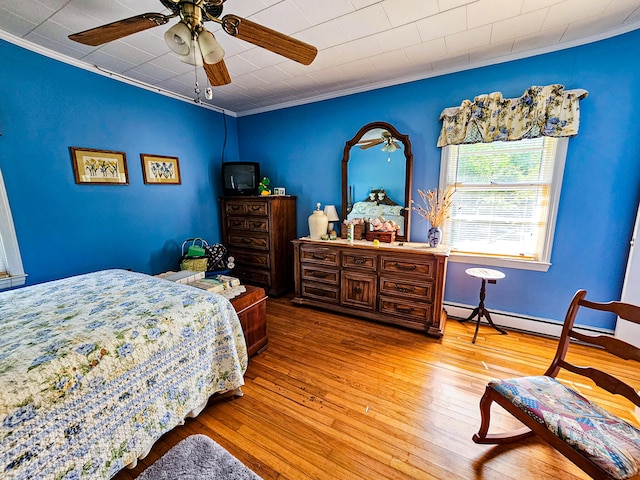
point(506, 199)
point(11, 271)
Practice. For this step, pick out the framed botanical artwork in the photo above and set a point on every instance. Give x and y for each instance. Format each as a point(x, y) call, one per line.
point(158, 169)
point(100, 167)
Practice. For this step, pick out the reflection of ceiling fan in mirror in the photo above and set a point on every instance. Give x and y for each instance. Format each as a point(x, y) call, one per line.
point(196, 45)
point(390, 143)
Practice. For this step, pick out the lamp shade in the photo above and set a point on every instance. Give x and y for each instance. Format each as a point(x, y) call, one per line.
point(193, 57)
point(331, 213)
point(211, 50)
point(178, 38)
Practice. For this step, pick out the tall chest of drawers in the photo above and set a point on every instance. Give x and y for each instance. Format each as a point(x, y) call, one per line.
point(258, 232)
point(402, 285)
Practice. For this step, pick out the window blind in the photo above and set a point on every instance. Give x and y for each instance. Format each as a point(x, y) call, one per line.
point(502, 197)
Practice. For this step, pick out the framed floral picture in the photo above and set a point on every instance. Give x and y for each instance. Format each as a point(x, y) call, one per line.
point(158, 169)
point(103, 167)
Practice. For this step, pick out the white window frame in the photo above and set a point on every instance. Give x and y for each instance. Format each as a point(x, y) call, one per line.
point(9, 248)
point(544, 262)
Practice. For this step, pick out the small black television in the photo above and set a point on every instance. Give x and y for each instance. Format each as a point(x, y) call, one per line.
point(240, 178)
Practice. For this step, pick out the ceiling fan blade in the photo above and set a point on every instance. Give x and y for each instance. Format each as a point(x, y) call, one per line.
point(370, 143)
point(272, 40)
point(121, 28)
point(217, 73)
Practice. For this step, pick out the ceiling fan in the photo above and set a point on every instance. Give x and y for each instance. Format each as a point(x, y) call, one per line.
point(390, 143)
point(193, 43)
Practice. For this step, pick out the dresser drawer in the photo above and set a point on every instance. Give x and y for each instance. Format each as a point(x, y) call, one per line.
point(252, 276)
point(246, 207)
point(358, 290)
point(320, 256)
point(407, 309)
point(405, 287)
point(239, 239)
point(248, 224)
point(320, 274)
point(359, 260)
point(251, 258)
point(326, 293)
point(419, 267)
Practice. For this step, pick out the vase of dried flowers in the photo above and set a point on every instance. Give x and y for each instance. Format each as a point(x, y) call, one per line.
point(436, 207)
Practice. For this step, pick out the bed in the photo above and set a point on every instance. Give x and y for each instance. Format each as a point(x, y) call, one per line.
point(378, 205)
point(95, 368)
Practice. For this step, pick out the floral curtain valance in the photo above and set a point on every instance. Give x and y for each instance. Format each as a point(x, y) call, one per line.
point(541, 111)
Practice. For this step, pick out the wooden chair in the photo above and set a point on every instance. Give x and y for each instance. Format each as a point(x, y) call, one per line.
point(601, 444)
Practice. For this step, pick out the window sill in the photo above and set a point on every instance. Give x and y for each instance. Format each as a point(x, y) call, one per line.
point(13, 281)
point(499, 262)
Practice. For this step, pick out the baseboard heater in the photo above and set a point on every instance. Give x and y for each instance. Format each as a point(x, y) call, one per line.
point(524, 323)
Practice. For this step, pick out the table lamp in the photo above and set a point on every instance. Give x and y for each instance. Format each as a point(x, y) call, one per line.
point(332, 214)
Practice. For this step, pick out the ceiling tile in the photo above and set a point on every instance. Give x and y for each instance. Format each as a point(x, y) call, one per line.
point(468, 39)
point(402, 12)
point(451, 4)
point(155, 72)
point(399, 37)
point(518, 26)
point(532, 5)
point(319, 12)
point(325, 35)
point(284, 17)
point(108, 62)
point(538, 40)
point(361, 48)
point(572, 11)
point(367, 21)
point(592, 26)
point(35, 12)
point(425, 52)
point(494, 51)
point(15, 24)
point(237, 65)
point(449, 22)
point(485, 12)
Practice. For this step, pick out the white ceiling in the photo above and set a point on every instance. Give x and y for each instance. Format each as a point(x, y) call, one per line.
point(362, 44)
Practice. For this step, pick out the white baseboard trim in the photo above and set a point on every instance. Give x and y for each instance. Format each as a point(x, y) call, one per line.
point(516, 321)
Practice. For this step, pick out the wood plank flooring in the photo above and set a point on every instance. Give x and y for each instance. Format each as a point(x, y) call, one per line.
point(334, 397)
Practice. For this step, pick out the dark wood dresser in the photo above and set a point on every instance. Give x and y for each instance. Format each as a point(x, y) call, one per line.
point(257, 232)
point(390, 283)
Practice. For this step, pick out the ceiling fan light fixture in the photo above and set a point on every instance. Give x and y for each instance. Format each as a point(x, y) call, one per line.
point(178, 39)
point(194, 57)
point(211, 50)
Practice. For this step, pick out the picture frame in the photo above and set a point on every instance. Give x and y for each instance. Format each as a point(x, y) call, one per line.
point(279, 191)
point(160, 169)
point(99, 167)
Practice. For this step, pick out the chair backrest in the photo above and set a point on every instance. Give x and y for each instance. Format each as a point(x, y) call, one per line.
point(611, 345)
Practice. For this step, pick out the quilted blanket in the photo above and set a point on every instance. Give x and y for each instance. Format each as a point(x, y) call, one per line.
point(94, 368)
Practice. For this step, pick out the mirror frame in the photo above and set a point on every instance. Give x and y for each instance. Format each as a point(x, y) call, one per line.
point(408, 171)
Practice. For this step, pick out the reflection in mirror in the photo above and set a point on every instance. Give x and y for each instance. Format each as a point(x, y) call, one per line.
point(376, 176)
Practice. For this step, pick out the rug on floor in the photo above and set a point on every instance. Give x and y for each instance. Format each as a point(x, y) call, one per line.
point(198, 458)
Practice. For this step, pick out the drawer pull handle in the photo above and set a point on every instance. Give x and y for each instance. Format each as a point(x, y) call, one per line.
point(402, 289)
point(400, 266)
point(318, 257)
point(317, 274)
point(357, 290)
point(237, 224)
point(256, 225)
point(255, 208)
point(400, 309)
point(358, 260)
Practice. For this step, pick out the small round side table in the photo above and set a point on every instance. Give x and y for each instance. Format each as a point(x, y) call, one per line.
point(490, 276)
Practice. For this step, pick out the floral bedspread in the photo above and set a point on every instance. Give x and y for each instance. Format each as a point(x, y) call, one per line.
point(94, 368)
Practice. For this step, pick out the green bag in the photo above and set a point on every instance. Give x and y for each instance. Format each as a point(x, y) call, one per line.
point(195, 250)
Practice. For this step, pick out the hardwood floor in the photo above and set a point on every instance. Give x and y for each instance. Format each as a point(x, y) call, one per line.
point(335, 397)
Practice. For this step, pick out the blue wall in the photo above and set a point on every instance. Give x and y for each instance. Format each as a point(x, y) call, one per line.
point(64, 228)
point(300, 148)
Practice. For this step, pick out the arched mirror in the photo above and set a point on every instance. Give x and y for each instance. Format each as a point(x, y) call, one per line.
point(377, 172)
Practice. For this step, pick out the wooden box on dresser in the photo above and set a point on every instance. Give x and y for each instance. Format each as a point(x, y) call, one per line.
point(257, 232)
point(403, 285)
